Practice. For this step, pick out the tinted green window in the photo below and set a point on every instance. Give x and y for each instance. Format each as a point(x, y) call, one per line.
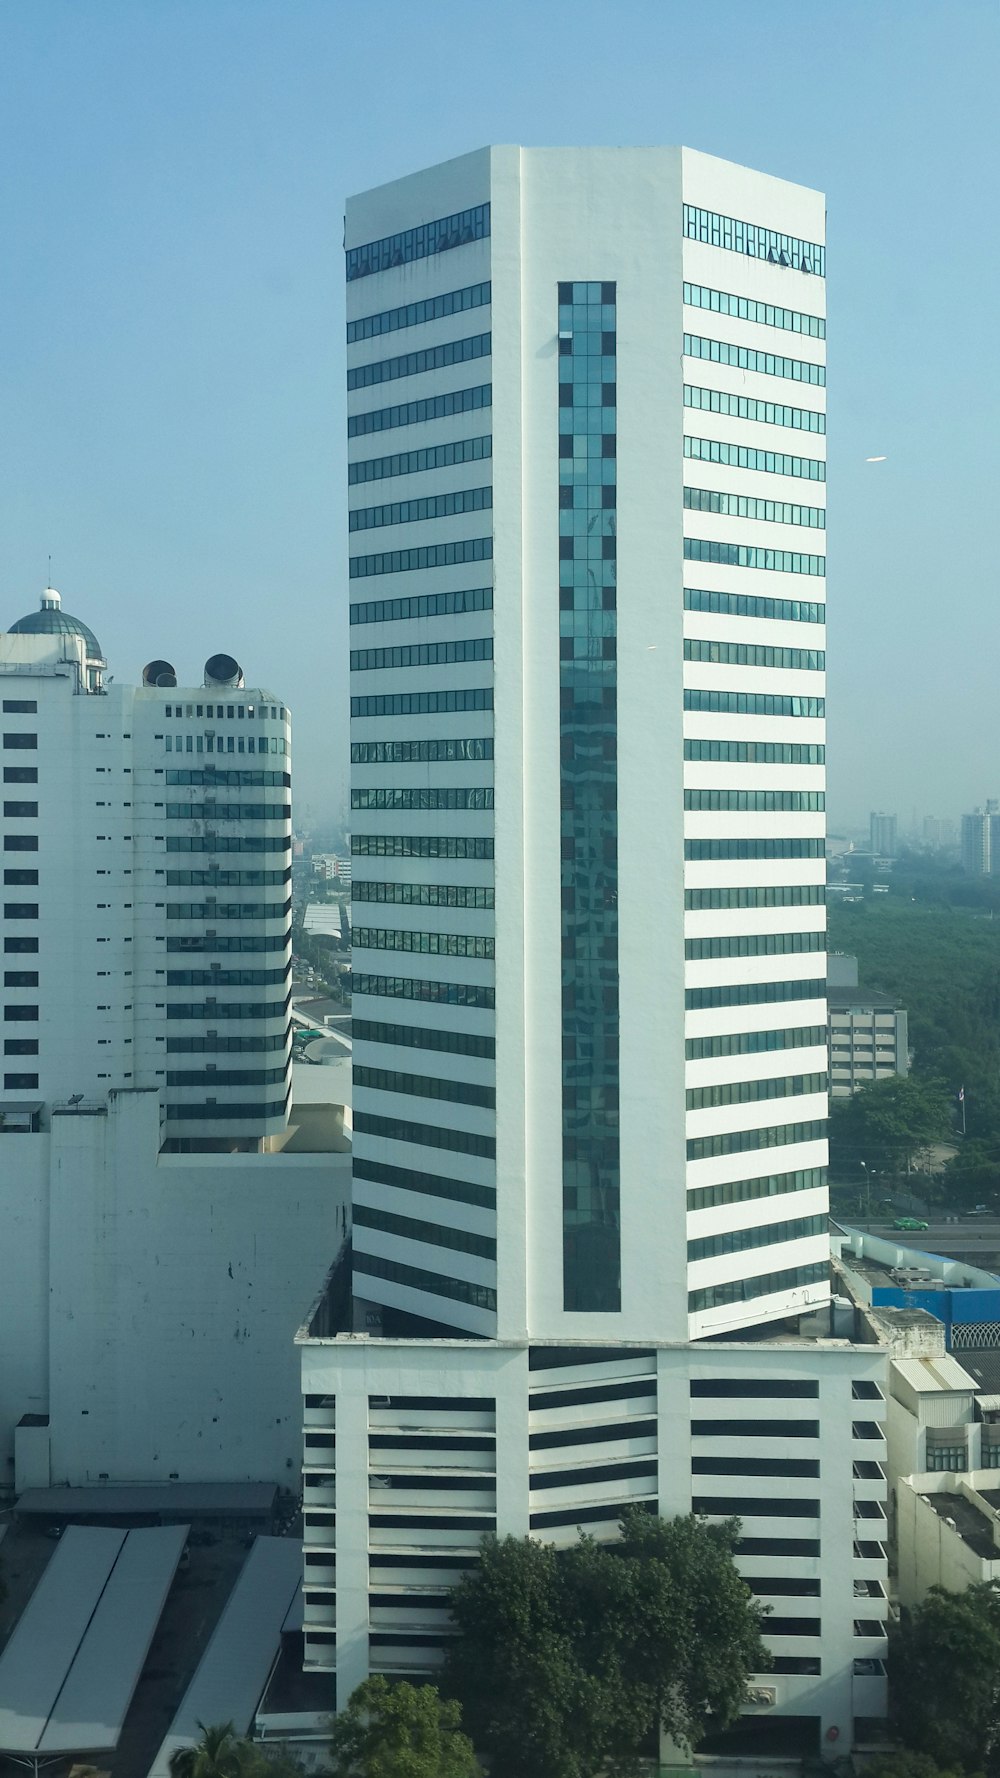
point(431, 308)
point(588, 693)
point(411, 244)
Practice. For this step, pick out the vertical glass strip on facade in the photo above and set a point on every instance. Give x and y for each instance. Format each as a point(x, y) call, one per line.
point(588, 778)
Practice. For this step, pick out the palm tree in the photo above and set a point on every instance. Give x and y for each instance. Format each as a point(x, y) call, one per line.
point(221, 1753)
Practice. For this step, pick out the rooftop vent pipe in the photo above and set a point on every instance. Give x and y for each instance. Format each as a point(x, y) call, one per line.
point(221, 669)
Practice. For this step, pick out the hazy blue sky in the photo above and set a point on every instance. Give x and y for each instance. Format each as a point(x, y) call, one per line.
point(171, 314)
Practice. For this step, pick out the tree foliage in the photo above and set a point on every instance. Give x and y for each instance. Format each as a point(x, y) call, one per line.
point(906, 1764)
point(941, 961)
point(886, 1125)
point(945, 1679)
point(222, 1753)
point(972, 1176)
point(219, 1754)
point(400, 1731)
point(570, 1660)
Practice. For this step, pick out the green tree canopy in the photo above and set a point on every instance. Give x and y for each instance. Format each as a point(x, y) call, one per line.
point(222, 1753)
point(945, 1679)
point(906, 1764)
point(887, 1124)
point(568, 1661)
point(972, 1176)
point(400, 1731)
point(941, 961)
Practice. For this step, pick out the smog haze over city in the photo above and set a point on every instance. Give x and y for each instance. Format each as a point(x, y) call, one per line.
point(172, 314)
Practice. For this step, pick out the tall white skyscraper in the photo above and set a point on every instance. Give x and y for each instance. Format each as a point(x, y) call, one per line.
point(586, 418)
point(147, 900)
point(587, 493)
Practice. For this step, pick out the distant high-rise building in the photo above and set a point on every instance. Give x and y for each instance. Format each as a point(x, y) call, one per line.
point(882, 835)
point(146, 861)
point(938, 833)
point(980, 840)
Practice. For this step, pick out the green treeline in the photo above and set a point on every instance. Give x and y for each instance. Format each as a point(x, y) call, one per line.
point(938, 957)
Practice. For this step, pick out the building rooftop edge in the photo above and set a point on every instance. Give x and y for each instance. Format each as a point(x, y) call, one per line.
point(569, 148)
point(794, 1342)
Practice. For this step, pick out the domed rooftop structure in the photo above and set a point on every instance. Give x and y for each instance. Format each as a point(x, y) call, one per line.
point(52, 620)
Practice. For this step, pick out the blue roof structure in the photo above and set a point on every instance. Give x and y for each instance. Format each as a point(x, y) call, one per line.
point(52, 620)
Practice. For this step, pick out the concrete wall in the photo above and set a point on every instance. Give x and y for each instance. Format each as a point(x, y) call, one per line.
point(150, 1303)
point(930, 1552)
point(960, 1307)
point(24, 1284)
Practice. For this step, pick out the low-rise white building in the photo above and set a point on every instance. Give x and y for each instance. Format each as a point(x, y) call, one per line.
point(322, 920)
point(869, 1033)
point(437, 1444)
point(330, 865)
point(947, 1533)
point(943, 1422)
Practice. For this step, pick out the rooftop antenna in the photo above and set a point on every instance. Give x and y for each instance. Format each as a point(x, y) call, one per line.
point(49, 581)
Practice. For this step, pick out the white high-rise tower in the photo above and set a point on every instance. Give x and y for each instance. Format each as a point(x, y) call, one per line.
point(586, 419)
point(587, 555)
point(147, 889)
point(162, 1205)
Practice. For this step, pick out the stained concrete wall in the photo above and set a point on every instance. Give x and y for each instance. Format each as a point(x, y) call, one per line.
point(149, 1303)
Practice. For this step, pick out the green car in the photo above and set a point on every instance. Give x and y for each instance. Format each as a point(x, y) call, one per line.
point(912, 1225)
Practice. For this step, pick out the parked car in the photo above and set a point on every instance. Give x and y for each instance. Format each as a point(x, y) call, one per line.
point(910, 1225)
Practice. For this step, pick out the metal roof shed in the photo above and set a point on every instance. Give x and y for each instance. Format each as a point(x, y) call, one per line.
point(44, 1642)
point(91, 1707)
point(72, 1663)
point(233, 1671)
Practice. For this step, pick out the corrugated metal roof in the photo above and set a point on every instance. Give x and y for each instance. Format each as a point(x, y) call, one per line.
point(296, 1615)
point(233, 1671)
point(983, 1363)
point(44, 1643)
point(72, 1663)
point(926, 1375)
point(91, 1707)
